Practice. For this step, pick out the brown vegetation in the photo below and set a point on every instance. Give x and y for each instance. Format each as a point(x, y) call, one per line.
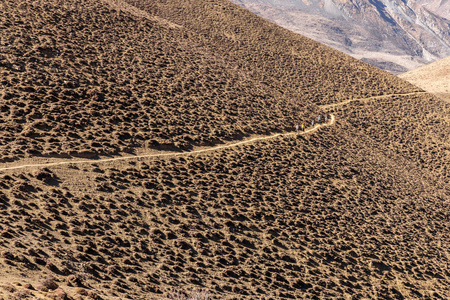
point(360, 208)
point(83, 79)
point(349, 210)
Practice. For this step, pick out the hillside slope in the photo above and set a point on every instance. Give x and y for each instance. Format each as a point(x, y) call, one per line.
point(434, 78)
point(439, 7)
point(359, 207)
point(391, 34)
point(349, 210)
point(60, 65)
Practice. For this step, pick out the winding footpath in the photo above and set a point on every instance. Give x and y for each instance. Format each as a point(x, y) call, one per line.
point(333, 105)
point(231, 145)
point(170, 154)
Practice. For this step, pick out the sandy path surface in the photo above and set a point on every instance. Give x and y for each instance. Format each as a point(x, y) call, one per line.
point(367, 99)
point(173, 154)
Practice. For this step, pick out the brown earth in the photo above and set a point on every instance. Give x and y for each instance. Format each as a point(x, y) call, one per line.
point(82, 79)
point(433, 78)
point(347, 210)
point(359, 208)
point(33, 163)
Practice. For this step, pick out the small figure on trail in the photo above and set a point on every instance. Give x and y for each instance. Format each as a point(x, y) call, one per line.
point(303, 127)
point(326, 118)
point(312, 123)
point(296, 127)
point(319, 119)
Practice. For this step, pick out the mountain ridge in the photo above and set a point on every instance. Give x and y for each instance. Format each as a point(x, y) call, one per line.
point(396, 36)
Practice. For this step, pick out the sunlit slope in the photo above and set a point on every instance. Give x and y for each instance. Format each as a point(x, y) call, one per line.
point(82, 79)
point(348, 210)
point(433, 78)
point(280, 58)
point(359, 207)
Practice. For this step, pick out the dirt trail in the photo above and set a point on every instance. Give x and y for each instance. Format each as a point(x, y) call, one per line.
point(171, 154)
point(367, 99)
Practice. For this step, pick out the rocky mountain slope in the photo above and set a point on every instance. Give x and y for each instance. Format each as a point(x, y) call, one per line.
point(439, 7)
point(359, 207)
point(434, 78)
point(394, 35)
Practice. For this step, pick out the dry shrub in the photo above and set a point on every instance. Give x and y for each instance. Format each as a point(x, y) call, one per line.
point(9, 288)
point(22, 294)
point(193, 295)
point(168, 94)
point(49, 283)
point(44, 174)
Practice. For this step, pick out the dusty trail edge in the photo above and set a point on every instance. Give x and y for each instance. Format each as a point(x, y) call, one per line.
point(327, 106)
point(172, 154)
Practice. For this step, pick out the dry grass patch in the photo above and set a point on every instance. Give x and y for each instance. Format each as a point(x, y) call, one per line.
point(83, 79)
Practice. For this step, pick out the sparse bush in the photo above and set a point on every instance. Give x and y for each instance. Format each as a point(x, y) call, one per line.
point(49, 283)
point(192, 295)
point(44, 174)
point(169, 95)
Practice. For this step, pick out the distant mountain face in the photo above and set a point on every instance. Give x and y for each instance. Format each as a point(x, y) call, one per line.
point(395, 35)
point(439, 7)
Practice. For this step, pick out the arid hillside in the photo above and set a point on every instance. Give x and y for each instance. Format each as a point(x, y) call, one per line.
point(80, 78)
point(393, 35)
point(439, 7)
point(433, 78)
point(149, 149)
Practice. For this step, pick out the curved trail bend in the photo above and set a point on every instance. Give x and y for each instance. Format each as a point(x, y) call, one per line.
point(172, 154)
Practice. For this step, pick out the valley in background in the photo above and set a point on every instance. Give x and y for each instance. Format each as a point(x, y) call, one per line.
point(396, 36)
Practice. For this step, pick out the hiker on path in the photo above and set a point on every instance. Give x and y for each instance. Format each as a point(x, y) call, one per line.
point(326, 118)
point(303, 127)
point(296, 127)
point(312, 123)
point(319, 119)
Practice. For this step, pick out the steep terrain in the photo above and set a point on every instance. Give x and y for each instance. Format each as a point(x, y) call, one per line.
point(79, 84)
point(439, 7)
point(434, 78)
point(223, 195)
point(393, 35)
